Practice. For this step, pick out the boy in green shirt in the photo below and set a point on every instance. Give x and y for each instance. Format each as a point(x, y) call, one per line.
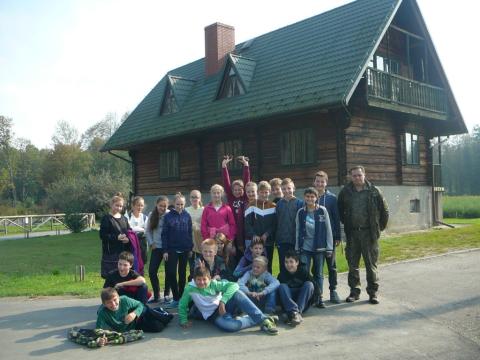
point(121, 314)
point(218, 302)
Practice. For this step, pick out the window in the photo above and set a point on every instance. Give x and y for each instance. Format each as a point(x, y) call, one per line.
point(297, 147)
point(415, 206)
point(169, 105)
point(230, 147)
point(231, 85)
point(169, 168)
point(411, 153)
point(385, 64)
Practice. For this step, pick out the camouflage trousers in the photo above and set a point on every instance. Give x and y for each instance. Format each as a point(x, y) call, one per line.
point(361, 244)
point(89, 337)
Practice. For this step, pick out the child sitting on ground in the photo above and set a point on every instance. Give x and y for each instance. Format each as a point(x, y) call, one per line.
point(224, 250)
point(256, 249)
point(121, 314)
point(219, 302)
point(297, 289)
point(214, 263)
point(126, 280)
point(259, 285)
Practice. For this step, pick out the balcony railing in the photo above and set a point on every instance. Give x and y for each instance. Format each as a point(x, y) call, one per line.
point(402, 91)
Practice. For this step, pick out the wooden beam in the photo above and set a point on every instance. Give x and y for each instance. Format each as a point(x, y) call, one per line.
point(407, 32)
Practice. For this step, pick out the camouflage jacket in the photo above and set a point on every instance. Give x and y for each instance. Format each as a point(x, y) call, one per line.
point(89, 337)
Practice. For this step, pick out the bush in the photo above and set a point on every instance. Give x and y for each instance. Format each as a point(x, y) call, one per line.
point(76, 223)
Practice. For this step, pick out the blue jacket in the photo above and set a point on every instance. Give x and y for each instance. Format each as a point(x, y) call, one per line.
point(177, 231)
point(323, 240)
point(329, 200)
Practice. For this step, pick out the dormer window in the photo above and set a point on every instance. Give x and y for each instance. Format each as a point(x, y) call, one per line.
point(169, 105)
point(231, 85)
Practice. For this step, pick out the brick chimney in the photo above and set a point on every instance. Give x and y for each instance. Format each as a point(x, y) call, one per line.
point(219, 41)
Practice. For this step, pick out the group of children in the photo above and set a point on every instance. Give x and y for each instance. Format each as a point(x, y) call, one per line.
point(228, 249)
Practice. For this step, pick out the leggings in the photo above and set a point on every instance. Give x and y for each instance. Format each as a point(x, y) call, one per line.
point(155, 261)
point(177, 260)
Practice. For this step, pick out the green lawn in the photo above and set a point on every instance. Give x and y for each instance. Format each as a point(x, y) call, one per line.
point(461, 206)
point(46, 265)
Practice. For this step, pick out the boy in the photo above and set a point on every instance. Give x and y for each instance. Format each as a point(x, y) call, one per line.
point(314, 238)
point(276, 184)
point(329, 200)
point(213, 262)
point(121, 314)
point(256, 249)
point(219, 302)
point(297, 289)
point(126, 280)
point(260, 220)
point(286, 210)
point(259, 285)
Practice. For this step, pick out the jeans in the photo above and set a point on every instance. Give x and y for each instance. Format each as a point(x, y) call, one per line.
point(332, 271)
point(318, 258)
point(238, 302)
point(177, 260)
point(156, 258)
point(267, 303)
point(296, 299)
point(139, 294)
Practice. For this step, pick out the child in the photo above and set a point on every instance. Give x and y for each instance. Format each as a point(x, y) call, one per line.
point(214, 263)
point(219, 302)
point(276, 184)
point(224, 246)
point(314, 238)
point(153, 234)
point(178, 243)
point(260, 220)
point(195, 210)
point(259, 285)
point(297, 288)
point(137, 220)
point(286, 211)
point(256, 249)
point(127, 281)
point(251, 190)
point(121, 313)
point(329, 200)
point(236, 198)
point(218, 217)
point(113, 232)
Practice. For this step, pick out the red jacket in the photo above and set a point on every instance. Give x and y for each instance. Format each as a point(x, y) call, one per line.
point(214, 221)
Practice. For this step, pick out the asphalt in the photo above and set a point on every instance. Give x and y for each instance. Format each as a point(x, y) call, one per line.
point(429, 309)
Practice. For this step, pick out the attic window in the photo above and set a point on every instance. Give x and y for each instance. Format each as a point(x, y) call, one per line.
point(231, 85)
point(169, 105)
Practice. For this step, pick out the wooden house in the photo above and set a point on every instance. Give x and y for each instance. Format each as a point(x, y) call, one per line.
point(359, 84)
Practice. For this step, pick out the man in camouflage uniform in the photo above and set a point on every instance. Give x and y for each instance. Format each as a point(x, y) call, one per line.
point(364, 213)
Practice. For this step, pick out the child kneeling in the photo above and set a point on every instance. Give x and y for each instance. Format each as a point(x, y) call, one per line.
point(297, 288)
point(259, 285)
point(121, 314)
point(219, 302)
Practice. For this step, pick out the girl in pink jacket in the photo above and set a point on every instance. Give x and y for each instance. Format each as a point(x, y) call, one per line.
point(218, 217)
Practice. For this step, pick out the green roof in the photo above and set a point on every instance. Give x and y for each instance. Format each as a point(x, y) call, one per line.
point(314, 63)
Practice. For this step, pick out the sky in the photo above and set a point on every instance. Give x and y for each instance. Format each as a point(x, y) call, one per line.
point(78, 60)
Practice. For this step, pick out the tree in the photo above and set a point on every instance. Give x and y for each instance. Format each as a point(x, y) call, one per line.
point(65, 134)
point(7, 156)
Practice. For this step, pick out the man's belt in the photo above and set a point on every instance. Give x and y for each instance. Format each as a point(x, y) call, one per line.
point(358, 228)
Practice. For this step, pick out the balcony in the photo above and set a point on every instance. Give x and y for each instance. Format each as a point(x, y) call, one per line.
point(397, 93)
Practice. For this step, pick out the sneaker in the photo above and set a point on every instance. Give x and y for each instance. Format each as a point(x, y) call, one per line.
point(172, 304)
point(273, 317)
point(334, 297)
point(269, 327)
point(167, 300)
point(320, 304)
point(352, 297)
point(373, 299)
point(153, 300)
point(296, 318)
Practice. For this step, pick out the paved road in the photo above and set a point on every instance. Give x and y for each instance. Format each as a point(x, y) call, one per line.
point(430, 309)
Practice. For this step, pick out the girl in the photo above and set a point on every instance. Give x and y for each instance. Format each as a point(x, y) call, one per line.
point(237, 199)
point(195, 211)
point(113, 232)
point(137, 220)
point(178, 243)
point(224, 246)
point(153, 232)
point(218, 217)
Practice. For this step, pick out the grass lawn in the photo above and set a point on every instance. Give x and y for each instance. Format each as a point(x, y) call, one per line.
point(46, 265)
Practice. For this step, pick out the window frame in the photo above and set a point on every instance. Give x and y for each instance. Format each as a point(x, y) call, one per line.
point(175, 159)
point(411, 149)
point(290, 137)
point(234, 166)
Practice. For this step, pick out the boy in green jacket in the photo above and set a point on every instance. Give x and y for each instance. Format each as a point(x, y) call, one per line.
point(218, 302)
